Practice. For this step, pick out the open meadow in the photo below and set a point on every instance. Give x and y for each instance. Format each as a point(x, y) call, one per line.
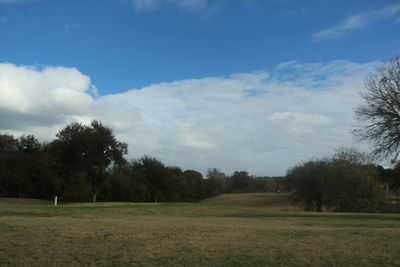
point(229, 230)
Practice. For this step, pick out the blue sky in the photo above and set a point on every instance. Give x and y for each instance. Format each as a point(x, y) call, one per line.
point(122, 46)
point(193, 81)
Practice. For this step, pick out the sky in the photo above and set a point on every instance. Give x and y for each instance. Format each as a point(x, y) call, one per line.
point(254, 85)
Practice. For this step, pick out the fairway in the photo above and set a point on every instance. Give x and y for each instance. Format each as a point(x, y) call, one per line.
point(215, 232)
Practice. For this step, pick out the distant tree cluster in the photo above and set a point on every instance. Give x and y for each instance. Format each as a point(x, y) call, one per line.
point(26, 168)
point(346, 182)
point(148, 179)
point(242, 182)
point(86, 162)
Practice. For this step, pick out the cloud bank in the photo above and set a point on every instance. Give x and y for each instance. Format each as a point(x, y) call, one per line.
point(357, 21)
point(262, 122)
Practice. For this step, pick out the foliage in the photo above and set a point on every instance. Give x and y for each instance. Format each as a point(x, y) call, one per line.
point(24, 168)
point(390, 177)
point(343, 183)
point(310, 183)
point(87, 162)
point(240, 181)
point(87, 150)
point(217, 182)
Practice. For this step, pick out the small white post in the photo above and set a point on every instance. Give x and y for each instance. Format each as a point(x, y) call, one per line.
point(55, 201)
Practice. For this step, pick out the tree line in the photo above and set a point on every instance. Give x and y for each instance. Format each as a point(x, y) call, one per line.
point(86, 162)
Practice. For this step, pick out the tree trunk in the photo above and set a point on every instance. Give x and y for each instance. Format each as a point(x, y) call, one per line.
point(94, 197)
point(319, 205)
point(95, 182)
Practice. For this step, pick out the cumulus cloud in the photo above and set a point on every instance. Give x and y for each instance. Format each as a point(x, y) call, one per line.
point(30, 96)
point(262, 122)
point(357, 21)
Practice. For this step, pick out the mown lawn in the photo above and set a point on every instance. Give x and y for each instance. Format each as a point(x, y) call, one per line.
point(202, 234)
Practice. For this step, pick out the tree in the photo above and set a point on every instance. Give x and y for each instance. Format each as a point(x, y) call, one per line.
point(32, 166)
point(390, 177)
point(88, 150)
point(104, 150)
point(217, 182)
point(154, 173)
point(24, 168)
point(240, 181)
point(380, 112)
point(310, 183)
point(192, 185)
point(9, 184)
point(345, 182)
point(354, 183)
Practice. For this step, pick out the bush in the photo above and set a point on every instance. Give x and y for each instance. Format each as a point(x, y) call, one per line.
point(345, 183)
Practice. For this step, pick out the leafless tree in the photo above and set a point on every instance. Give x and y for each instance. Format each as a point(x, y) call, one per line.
point(380, 113)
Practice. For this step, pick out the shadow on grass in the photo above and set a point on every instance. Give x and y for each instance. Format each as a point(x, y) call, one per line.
point(72, 211)
point(187, 210)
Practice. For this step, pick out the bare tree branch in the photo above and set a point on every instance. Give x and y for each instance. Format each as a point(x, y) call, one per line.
point(380, 112)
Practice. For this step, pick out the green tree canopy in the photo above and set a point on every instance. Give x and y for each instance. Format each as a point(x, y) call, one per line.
point(345, 182)
point(88, 149)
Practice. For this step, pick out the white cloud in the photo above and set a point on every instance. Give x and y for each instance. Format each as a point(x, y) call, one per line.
point(9, 1)
point(298, 124)
point(146, 4)
point(262, 122)
point(205, 8)
point(71, 26)
point(5, 2)
point(357, 22)
point(31, 96)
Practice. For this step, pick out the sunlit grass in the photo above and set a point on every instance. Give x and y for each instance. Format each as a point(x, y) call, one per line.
point(190, 234)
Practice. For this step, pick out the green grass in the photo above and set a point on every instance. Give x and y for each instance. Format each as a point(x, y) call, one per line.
point(215, 232)
point(272, 201)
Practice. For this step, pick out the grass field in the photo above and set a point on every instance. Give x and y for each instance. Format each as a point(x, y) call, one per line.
point(270, 202)
point(230, 230)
